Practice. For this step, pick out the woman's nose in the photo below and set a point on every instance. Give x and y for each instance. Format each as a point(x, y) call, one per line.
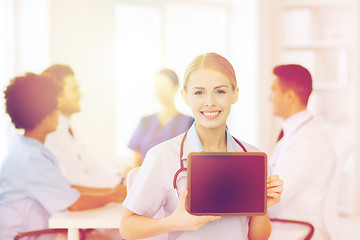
point(210, 100)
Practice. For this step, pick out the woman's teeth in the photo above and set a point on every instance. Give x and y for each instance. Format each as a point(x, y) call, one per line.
point(211, 114)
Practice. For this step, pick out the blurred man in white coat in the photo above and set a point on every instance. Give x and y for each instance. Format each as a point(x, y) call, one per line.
point(75, 162)
point(303, 158)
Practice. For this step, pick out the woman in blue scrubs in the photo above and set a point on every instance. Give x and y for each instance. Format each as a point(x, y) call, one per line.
point(164, 125)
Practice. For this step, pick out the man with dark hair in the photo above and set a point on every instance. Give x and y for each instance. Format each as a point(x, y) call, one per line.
point(76, 164)
point(303, 158)
point(31, 184)
point(297, 78)
point(70, 97)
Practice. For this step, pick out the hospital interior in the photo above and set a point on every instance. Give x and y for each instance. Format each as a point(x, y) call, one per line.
point(116, 46)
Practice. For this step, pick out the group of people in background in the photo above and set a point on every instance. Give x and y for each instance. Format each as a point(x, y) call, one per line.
point(48, 170)
point(36, 179)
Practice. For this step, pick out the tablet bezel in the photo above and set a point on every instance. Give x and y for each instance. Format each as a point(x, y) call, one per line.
point(240, 154)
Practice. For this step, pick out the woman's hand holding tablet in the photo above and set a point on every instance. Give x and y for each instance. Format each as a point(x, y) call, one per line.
point(274, 189)
point(185, 221)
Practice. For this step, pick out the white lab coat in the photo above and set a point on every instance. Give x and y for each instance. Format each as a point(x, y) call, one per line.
point(306, 163)
point(153, 189)
point(75, 163)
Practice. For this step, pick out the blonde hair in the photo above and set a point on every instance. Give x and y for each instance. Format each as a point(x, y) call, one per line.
point(211, 61)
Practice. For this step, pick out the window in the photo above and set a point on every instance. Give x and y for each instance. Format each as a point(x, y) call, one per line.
point(24, 44)
point(169, 34)
point(6, 68)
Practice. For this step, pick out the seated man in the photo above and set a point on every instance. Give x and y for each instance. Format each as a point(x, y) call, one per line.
point(31, 184)
point(75, 163)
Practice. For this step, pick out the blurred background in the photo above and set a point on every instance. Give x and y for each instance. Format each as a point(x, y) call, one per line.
point(116, 46)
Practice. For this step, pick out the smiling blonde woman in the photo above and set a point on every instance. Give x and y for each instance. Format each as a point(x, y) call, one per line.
point(210, 89)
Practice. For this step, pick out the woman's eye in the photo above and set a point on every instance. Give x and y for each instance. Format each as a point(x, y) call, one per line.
point(220, 92)
point(198, 92)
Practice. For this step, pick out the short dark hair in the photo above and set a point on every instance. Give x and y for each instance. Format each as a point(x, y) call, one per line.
point(59, 72)
point(31, 98)
point(297, 78)
point(169, 74)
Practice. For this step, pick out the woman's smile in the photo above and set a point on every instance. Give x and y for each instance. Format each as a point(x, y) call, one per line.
point(210, 114)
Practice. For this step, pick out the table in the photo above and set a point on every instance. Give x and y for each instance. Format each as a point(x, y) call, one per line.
point(108, 216)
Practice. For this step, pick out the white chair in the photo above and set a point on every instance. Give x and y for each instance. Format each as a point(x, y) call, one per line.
point(303, 230)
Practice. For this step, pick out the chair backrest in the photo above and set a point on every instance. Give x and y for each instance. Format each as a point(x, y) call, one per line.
point(47, 232)
point(300, 223)
point(131, 177)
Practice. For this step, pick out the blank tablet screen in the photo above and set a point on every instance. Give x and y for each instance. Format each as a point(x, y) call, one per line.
point(227, 183)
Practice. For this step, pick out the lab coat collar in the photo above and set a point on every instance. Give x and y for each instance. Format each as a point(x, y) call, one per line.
point(63, 123)
point(192, 142)
point(293, 122)
point(230, 142)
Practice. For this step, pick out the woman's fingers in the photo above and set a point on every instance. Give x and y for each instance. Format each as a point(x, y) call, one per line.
point(277, 189)
point(274, 194)
point(273, 198)
point(202, 220)
point(210, 218)
point(274, 189)
point(273, 178)
point(275, 183)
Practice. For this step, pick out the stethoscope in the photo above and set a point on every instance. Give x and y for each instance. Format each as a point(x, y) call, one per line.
point(183, 168)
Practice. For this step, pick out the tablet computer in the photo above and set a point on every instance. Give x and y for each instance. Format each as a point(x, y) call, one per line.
point(226, 183)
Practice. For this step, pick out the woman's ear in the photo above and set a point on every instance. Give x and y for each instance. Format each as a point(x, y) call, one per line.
point(236, 95)
point(185, 97)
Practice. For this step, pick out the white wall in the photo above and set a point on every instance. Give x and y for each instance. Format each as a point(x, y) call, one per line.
point(269, 126)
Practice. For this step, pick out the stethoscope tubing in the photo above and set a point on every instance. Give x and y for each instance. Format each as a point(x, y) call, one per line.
point(182, 167)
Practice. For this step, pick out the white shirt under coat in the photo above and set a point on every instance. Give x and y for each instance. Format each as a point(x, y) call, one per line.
point(75, 162)
point(153, 189)
point(305, 161)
